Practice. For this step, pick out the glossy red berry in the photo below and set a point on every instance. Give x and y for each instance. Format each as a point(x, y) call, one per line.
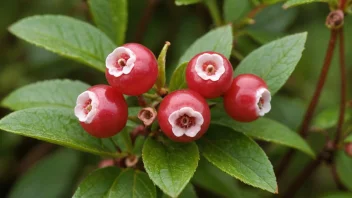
point(102, 111)
point(132, 69)
point(248, 98)
point(184, 116)
point(209, 74)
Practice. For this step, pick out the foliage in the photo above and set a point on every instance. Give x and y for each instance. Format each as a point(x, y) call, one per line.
point(283, 47)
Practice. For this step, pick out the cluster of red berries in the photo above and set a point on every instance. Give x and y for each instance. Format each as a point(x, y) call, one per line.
point(183, 115)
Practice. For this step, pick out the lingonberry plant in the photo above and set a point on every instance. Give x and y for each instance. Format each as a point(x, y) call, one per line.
point(193, 125)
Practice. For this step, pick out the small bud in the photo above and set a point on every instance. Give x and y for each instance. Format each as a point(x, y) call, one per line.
point(330, 145)
point(348, 149)
point(335, 19)
point(147, 115)
point(163, 92)
point(106, 163)
point(131, 161)
point(139, 130)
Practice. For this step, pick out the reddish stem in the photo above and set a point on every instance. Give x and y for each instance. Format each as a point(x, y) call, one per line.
point(342, 4)
point(145, 19)
point(313, 103)
point(255, 11)
point(336, 178)
point(343, 86)
point(302, 177)
point(141, 101)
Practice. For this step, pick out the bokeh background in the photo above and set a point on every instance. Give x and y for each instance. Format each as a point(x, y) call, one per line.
point(152, 22)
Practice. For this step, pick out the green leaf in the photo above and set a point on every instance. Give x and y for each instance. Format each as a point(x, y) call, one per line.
point(160, 82)
point(289, 111)
point(188, 192)
point(291, 3)
point(235, 9)
point(239, 156)
point(51, 177)
point(97, 184)
point(268, 2)
point(66, 36)
point(274, 19)
point(111, 17)
point(211, 178)
point(217, 40)
point(169, 164)
point(56, 125)
point(60, 93)
point(186, 2)
point(123, 140)
point(275, 61)
point(344, 169)
point(329, 117)
point(263, 37)
point(349, 138)
point(178, 78)
point(134, 184)
point(263, 129)
point(338, 195)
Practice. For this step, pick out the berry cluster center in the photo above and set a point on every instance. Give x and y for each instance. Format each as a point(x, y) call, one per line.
point(122, 61)
point(88, 106)
point(209, 68)
point(185, 121)
point(261, 103)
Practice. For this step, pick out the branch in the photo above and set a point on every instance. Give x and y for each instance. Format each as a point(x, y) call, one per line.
point(336, 178)
point(343, 86)
point(145, 19)
point(313, 103)
point(302, 177)
point(343, 4)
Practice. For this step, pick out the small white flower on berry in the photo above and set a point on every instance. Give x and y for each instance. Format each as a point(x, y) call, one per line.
point(120, 61)
point(186, 121)
point(263, 98)
point(210, 66)
point(86, 106)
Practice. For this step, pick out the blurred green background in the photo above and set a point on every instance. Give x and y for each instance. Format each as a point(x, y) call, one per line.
point(22, 63)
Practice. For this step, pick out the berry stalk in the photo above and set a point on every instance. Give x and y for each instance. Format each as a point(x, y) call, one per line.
point(311, 108)
point(214, 11)
point(343, 86)
point(302, 177)
point(342, 4)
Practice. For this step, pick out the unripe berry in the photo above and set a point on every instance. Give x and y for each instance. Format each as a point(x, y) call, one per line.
point(348, 149)
point(209, 74)
point(102, 111)
point(184, 116)
point(132, 69)
point(248, 98)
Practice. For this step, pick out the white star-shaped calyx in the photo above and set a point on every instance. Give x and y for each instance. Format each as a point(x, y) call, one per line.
point(190, 131)
point(216, 63)
point(121, 55)
point(263, 98)
point(86, 106)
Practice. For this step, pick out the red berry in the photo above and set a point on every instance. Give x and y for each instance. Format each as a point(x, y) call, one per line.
point(348, 149)
point(248, 98)
point(184, 116)
point(209, 74)
point(132, 69)
point(102, 111)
